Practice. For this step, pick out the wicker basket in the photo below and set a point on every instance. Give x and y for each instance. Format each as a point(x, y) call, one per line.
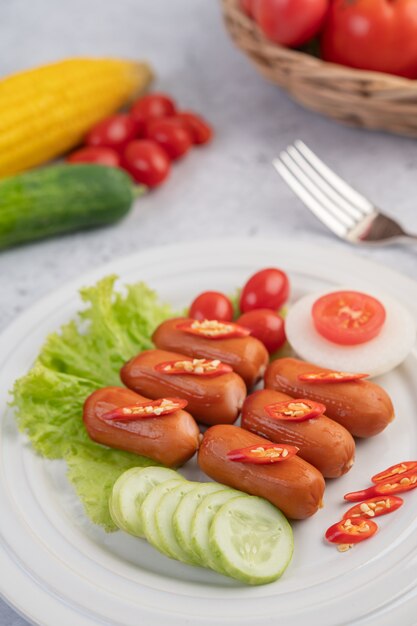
point(356, 97)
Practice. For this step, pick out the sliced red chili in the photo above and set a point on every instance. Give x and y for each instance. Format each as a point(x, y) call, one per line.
point(406, 482)
point(349, 530)
point(331, 377)
point(213, 329)
point(295, 410)
point(394, 471)
point(374, 507)
point(263, 454)
point(194, 367)
point(143, 410)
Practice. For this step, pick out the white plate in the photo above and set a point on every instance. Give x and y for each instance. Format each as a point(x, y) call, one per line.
point(58, 568)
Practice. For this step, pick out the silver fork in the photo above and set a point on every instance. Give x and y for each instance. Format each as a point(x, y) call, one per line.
point(347, 213)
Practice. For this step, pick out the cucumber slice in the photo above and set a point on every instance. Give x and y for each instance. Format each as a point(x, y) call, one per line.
point(129, 491)
point(184, 515)
point(164, 518)
point(148, 510)
point(251, 539)
point(201, 523)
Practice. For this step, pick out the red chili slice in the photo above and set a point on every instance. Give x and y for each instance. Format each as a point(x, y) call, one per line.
point(374, 507)
point(213, 329)
point(394, 471)
point(407, 482)
point(193, 367)
point(295, 410)
point(349, 531)
point(263, 454)
point(143, 410)
point(331, 377)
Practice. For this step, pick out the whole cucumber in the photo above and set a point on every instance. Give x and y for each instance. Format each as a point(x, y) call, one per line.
point(60, 199)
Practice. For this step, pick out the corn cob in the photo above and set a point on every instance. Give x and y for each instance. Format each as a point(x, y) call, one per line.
point(46, 111)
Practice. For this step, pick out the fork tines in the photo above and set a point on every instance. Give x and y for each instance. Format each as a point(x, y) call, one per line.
point(335, 203)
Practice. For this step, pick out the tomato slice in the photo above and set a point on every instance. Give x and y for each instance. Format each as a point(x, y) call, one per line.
point(143, 410)
point(348, 317)
point(349, 531)
point(407, 482)
point(295, 410)
point(263, 454)
point(193, 367)
point(331, 377)
point(374, 507)
point(394, 471)
point(213, 329)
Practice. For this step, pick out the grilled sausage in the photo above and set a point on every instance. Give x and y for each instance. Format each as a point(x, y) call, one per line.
point(322, 442)
point(211, 399)
point(171, 439)
point(361, 406)
point(294, 486)
point(246, 355)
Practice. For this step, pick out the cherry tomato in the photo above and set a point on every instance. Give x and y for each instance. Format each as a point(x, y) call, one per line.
point(378, 35)
point(113, 132)
point(394, 471)
point(374, 507)
point(267, 289)
point(348, 317)
point(267, 326)
point(213, 329)
point(246, 6)
point(171, 135)
point(200, 131)
point(211, 305)
point(147, 162)
point(152, 106)
point(331, 377)
point(103, 156)
point(143, 410)
point(295, 410)
point(264, 454)
point(351, 530)
point(290, 22)
point(193, 367)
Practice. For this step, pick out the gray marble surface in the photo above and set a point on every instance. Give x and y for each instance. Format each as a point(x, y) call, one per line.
point(226, 189)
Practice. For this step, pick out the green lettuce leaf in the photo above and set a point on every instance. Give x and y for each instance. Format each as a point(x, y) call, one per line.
point(93, 472)
point(85, 355)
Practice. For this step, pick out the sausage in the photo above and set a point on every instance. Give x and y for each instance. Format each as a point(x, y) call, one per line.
point(322, 442)
point(211, 399)
point(362, 407)
point(171, 439)
point(246, 355)
point(294, 486)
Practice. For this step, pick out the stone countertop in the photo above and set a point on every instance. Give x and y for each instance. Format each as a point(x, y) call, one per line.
point(226, 189)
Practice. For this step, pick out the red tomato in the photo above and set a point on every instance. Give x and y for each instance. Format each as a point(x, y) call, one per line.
point(348, 317)
point(378, 35)
point(103, 156)
point(113, 132)
point(290, 22)
point(171, 136)
point(246, 6)
point(147, 162)
point(267, 289)
point(200, 131)
point(267, 326)
point(152, 106)
point(211, 305)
